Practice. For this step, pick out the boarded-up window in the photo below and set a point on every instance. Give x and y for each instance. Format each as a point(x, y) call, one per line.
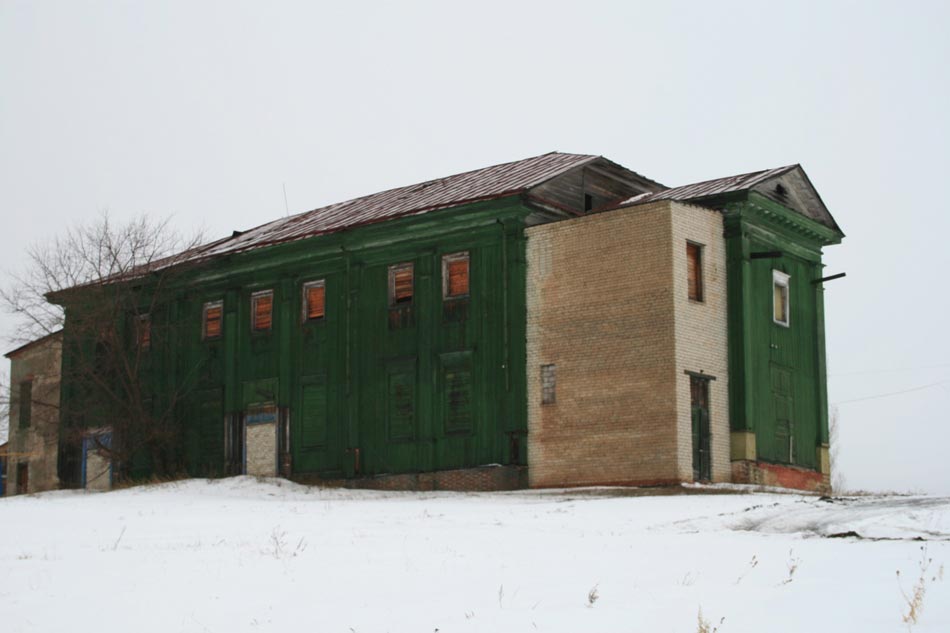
point(26, 403)
point(313, 419)
point(457, 414)
point(143, 331)
point(455, 275)
point(211, 319)
point(262, 308)
point(694, 270)
point(401, 405)
point(314, 300)
point(548, 384)
point(780, 308)
point(400, 284)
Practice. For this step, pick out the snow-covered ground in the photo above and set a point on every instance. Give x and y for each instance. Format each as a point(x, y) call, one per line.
point(246, 555)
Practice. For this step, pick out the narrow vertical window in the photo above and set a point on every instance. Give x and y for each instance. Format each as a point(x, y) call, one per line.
point(455, 275)
point(400, 285)
point(211, 320)
point(548, 384)
point(26, 403)
point(262, 309)
point(780, 297)
point(143, 331)
point(694, 270)
point(314, 300)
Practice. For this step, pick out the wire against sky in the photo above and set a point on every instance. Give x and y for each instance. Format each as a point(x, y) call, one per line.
point(893, 393)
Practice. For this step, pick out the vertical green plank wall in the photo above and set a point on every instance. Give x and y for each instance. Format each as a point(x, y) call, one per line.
point(445, 391)
point(776, 373)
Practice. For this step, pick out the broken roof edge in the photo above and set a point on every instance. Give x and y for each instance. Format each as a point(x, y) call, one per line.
point(252, 237)
point(34, 343)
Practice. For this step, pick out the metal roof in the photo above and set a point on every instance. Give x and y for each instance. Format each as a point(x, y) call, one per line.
point(710, 188)
point(487, 183)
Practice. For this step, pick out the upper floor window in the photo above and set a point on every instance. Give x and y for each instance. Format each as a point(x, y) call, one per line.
point(262, 310)
point(314, 300)
point(694, 270)
point(780, 297)
point(400, 285)
point(455, 275)
point(211, 319)
point(143, 331)
point(26, 403)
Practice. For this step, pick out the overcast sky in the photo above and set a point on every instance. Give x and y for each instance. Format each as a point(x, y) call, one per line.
point(207, 110)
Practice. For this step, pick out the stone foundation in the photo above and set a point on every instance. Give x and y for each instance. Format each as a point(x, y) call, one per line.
point(764, 474)
point(482, 478)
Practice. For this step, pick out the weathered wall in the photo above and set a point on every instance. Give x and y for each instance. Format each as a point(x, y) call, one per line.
point(600, 307)
point(37, 443)
point(701, 334)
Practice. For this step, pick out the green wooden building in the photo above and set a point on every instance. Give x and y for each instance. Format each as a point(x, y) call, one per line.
point(393, 340)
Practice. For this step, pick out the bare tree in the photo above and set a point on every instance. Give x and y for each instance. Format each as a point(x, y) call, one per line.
point(108, 285)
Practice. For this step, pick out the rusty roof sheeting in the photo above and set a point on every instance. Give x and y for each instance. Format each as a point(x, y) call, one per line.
point(710, 188)
point(481, 184)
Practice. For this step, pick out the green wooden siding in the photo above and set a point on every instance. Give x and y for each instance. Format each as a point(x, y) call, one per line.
point(441, 387)
point(776, 372)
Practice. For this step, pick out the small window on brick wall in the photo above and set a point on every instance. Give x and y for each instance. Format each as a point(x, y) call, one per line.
point(314, 300)
point(211, 320)
point(26, 403)
point(548, 384)
point(694, 270)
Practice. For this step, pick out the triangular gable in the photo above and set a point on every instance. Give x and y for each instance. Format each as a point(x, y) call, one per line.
point(792, 188)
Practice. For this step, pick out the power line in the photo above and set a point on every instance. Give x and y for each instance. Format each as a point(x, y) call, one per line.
point(893, 393)
point(888, 371)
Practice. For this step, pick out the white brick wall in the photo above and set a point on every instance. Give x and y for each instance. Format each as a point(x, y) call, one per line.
point(607, 304)
point(261, 449)
point(701, 334)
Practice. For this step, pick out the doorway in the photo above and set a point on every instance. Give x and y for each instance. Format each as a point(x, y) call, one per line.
point(699, 406)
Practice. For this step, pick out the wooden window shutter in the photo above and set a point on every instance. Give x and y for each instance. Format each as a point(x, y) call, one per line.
point(400, 284)
point(314, 300)
point(694, 268)
point(455, 275)
point(262, 305)
point(144, 331)
point(212, 319)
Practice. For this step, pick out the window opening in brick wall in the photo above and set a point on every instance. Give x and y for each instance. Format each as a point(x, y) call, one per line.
point(314, 300)
point(780, 298)
point(26, 403)
point(548, 384)
point(262, 310)
point(694, 270)
point(212, 314)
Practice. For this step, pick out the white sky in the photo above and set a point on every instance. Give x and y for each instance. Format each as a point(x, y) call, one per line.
point(205, 110)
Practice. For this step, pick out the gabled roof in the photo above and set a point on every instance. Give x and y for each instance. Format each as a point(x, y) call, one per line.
point(488, 183)
point(788, 185)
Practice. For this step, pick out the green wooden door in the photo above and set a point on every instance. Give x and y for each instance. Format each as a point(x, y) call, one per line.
point(784, 447)
point(699, 396)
